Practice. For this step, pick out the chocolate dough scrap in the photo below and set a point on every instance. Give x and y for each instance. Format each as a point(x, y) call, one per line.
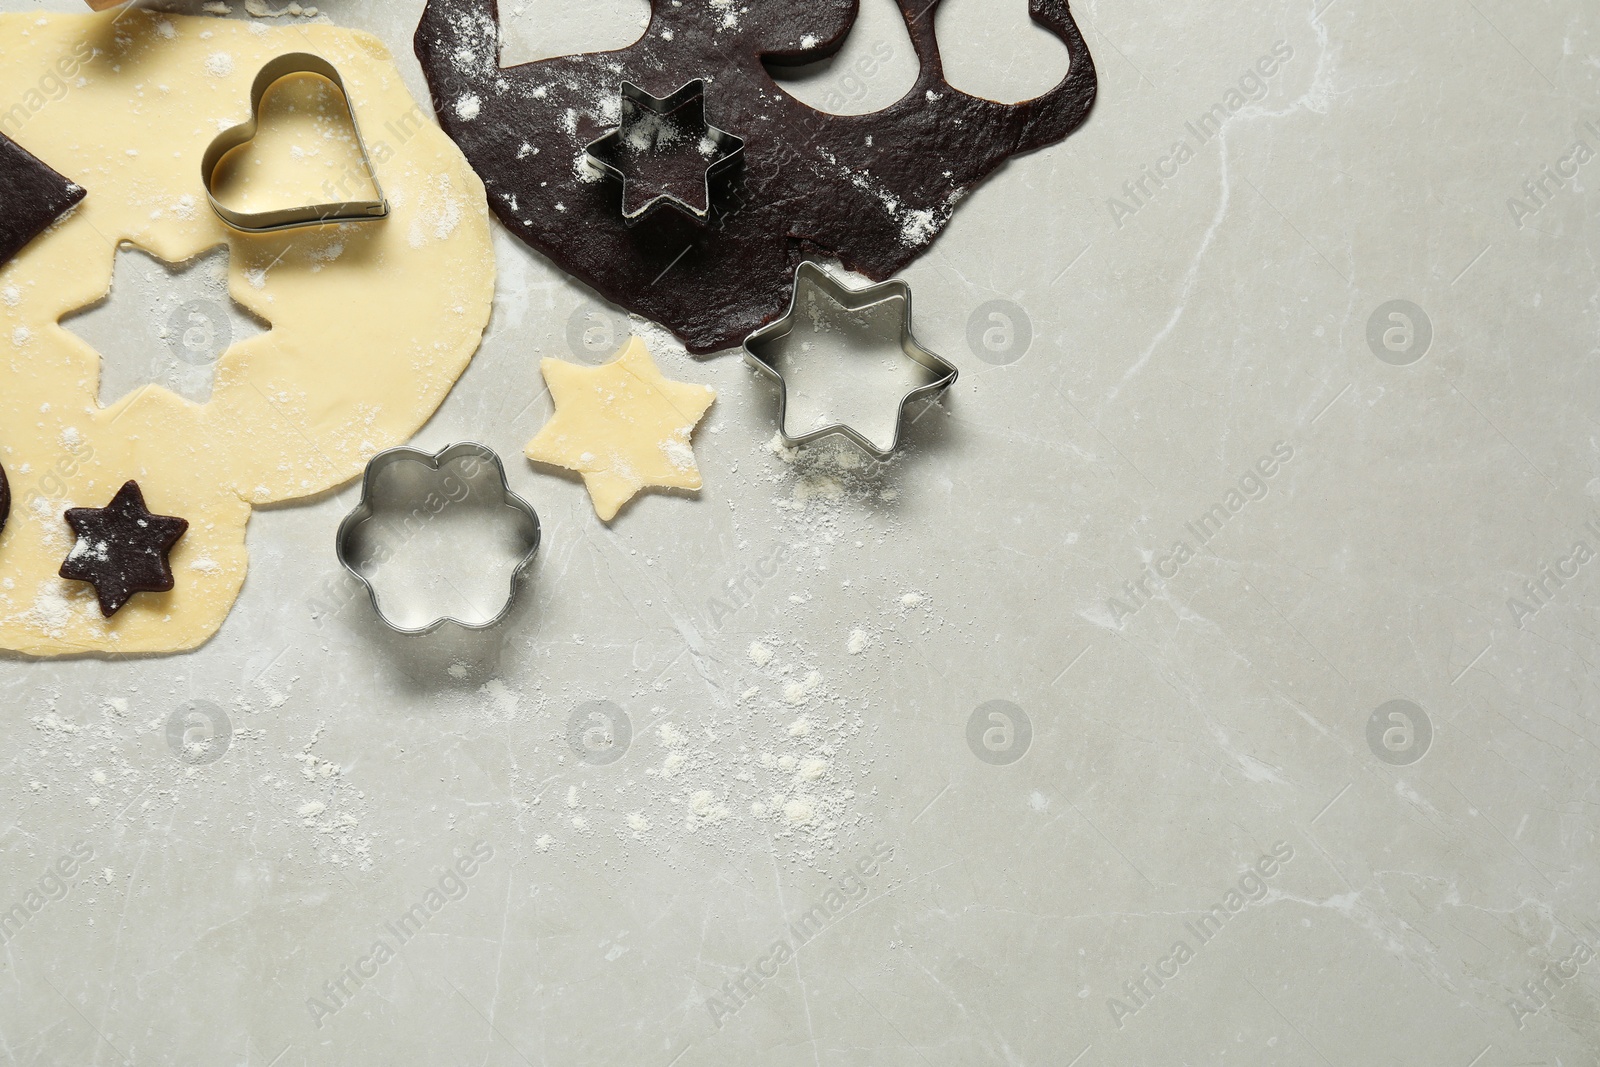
point(5, 500)
point(32, 197)
point(873, 190)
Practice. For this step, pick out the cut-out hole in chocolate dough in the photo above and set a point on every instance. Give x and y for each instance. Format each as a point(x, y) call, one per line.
point(164, 324)
point(542, 29)
point(875, 68)
point(303, 117)
point(974, 33)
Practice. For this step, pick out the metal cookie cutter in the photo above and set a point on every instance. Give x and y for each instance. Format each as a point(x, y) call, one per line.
point(291, 217)
point(422, 500)
point(764, 348)
point(647, 123)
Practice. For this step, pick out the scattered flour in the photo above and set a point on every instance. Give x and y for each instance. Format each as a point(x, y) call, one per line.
point(678, 450)
point(730, 15)
point(441, 212)
point(918, 227)
point(261, 10)
point(799, 811)
point(705, 810)
point(799, 692)
point(502, 700)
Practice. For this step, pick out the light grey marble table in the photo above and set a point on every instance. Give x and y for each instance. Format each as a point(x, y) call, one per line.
point(1331, 328)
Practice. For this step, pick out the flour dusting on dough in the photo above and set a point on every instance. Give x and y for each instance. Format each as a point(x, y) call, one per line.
point(441, 212)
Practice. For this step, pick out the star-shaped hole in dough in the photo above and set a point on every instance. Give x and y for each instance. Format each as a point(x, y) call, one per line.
point(164, 324)
point(623, 426)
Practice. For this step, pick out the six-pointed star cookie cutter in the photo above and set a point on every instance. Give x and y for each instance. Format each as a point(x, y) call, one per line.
point(726, 148)
point(289, 218)
point(761, 352)
point(352, 557)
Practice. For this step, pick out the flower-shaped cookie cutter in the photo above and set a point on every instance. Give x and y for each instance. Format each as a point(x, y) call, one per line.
point(354, 552)
point(761, 351)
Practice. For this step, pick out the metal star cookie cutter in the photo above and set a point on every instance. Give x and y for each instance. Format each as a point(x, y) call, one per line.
point(354, 552)
point(289, 218)
point(761, 352)
point(721, 148)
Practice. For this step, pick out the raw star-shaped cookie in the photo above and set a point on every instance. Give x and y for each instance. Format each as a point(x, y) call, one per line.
point(623, 426)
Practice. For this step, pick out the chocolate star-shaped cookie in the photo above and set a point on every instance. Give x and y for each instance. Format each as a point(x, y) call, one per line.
point(32, 196)
point(122, 549)
point(665, 152)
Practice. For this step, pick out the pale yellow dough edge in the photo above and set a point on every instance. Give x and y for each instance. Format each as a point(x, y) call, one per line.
point(371, 324)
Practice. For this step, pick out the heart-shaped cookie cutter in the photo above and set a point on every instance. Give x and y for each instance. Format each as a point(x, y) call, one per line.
point(290, 218)
point(351, 557)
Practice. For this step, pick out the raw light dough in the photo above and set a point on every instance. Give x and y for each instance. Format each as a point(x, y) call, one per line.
point(371, 323)
point(623, 426)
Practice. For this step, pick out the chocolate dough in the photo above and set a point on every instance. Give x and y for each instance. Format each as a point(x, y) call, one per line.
point(873, 190)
